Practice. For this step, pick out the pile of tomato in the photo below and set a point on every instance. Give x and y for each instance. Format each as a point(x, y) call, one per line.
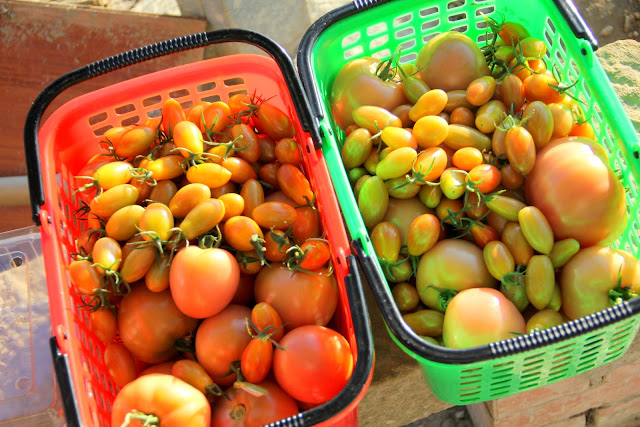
point(204, 268)
point(490, 205)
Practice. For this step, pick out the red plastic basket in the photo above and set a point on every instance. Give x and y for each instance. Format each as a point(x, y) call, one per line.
point(68, 139)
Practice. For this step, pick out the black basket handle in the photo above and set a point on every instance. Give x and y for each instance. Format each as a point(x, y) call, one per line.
point(146, 53)
point(65, 386)
point(576, 22)
point(362, 369)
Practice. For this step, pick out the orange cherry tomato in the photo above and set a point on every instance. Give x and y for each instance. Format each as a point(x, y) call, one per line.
point(277, 215)
point(521, 149)
point(120, 364)
point(247, 145)
point(467, 158)
point(239, 231)
point(294, 184)
point(172, 114)
point(486, 176)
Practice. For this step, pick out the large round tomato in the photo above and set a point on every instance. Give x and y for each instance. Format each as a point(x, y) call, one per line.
point(357, 84)
point(451, 61)
point(300, 298)
point(315, 364)
point(589, 276)
point(150, 323)
point(451, 264)
point(203, 281)
point(244, 409)
point(577, 191)
point(220, 340)
point(480, 316)
point(171, 400)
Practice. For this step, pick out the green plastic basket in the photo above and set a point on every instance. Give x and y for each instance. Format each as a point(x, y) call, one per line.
point(375, 28)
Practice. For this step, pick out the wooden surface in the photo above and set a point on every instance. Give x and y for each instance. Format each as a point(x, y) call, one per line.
point(41, 42)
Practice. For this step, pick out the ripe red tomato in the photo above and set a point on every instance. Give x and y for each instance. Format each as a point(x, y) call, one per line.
point(203, 281)
point(316, 364)
point(220, 340)
point(245, 409)
point(300, 298)
point(150, 323)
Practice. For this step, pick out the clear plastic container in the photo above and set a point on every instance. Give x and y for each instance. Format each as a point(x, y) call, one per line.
point(28, 394)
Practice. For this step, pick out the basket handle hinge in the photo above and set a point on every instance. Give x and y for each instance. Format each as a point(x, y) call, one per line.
point(576, 22)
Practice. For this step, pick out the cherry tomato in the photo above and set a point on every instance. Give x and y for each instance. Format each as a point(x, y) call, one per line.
point(277, 215)
point(204, 217)
point(294, 184)
point(274, 122)
point(215, 117)
point(264, 315)
point(172, 114)
point(460, 136)
point(562, 251)
point(110, 201)
point(540, 87)
point(490, 114)
point(425, 322)
point(536, 229)
point(119, 363)
point(374, 118)
point(520, 249)
point(187, 198)
point(540, 281)
point(134, 142)
point(253, 195)
point(107, 254)
point(307, 224)
point(247, 145)
point(256, 360)
point(430, 104)
point(122, 225)
point(463, 116)
point(157, 277)
point(544, 319)
point(405, 296)
point(423, 234)
point(498, 259)
point(486, 176)
point(212, 175)
point(481, 90)
point(373, 201)
point(102, 323)
point(163, 192)
point(238, 232)
point(386, 241)
point(84, 276)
